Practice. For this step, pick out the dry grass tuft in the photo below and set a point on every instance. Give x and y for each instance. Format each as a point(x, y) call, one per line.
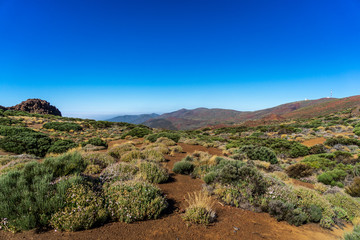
point(200, 199)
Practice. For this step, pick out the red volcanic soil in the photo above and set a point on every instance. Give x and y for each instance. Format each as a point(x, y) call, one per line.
point(232, 223)
point(313, 142)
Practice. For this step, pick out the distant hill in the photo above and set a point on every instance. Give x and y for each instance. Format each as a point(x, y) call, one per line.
point(185, 119)
point(135, 119)
point(35, 105)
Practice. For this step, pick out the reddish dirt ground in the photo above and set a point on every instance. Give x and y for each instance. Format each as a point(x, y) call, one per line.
point(232, 223)
point(313, 142)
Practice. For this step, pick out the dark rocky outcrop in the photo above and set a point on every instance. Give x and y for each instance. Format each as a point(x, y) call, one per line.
point(36, 106)
point(3, 108)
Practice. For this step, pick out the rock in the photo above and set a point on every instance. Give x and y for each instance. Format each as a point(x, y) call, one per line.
point(36, 106)
point(3, 108)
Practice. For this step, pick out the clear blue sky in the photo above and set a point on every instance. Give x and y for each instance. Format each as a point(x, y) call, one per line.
point(139, 56)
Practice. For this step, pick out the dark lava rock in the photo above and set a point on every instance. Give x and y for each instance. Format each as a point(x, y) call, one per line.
point(36, 106)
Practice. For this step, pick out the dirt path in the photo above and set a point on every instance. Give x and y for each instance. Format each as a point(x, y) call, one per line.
point(248, 225)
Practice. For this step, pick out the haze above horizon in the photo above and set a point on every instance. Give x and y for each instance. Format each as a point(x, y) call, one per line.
point(92, 58)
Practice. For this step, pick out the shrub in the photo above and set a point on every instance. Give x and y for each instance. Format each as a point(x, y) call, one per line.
point(357, 131)
point(354, 235)
point(259, 153)
point(83, 209)
point(200, 208)
point(66, 164)
point(319, 162)
point(317, 149)
point(119, 172)
point(96, 142)
point(343, 141)
point(118, 150)
point(61, 146)
point(26, 142)
point(314, 212)
point(134, 201)
point(210, 177)
point(11, 131)
point(153, 173)
point(153, 155)
point(354, 188)
point(344, 201)
point(101, 159)
point(138, 132)
point(166, 141)
point(183, 167)
point(307, 198)
point(332, 177)
point(63, 126)
point(279, 146)
point(29, 197)
point(280, 210)
point(299, 170)
point(173, 136)
point(92, 169)
point(132, 155)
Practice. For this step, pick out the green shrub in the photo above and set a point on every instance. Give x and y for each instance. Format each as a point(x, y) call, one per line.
point(299, 170)
point(120, 171)
point(346, 202)
point(61, 146)
point(29, 197)
point(101, 159)
point(183, 167)
point(314, 212)
point(357, 131)
point(83, 209)
point(11, 131)
point(354, 235)
point(119, 150)
point(317, 149)
point(63, 126)
point(138, 132)
point(173, 136)
point(153, 155)
point(258, 153)
point(153, 173)
point(96, 142)
point(341, 140)
point(26, 142)
point(332, 177)
point(132, 155)
point(198, 215)
point(319, 162)
point(210, 177)
point(134, 201)
point(92, 169)
point(66, 164)
point(279, 146)
point(9, 121)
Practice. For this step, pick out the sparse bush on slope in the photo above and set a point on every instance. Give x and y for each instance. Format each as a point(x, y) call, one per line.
point(134, 201)
point(63, 126)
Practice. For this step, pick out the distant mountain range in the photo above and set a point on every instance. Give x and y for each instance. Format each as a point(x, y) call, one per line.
point(135, 119)
point(184, 119)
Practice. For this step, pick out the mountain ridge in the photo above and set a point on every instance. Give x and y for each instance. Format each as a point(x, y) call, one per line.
point(185, 119)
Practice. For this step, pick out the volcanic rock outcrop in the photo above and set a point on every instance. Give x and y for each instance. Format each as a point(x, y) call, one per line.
point(36, 106)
